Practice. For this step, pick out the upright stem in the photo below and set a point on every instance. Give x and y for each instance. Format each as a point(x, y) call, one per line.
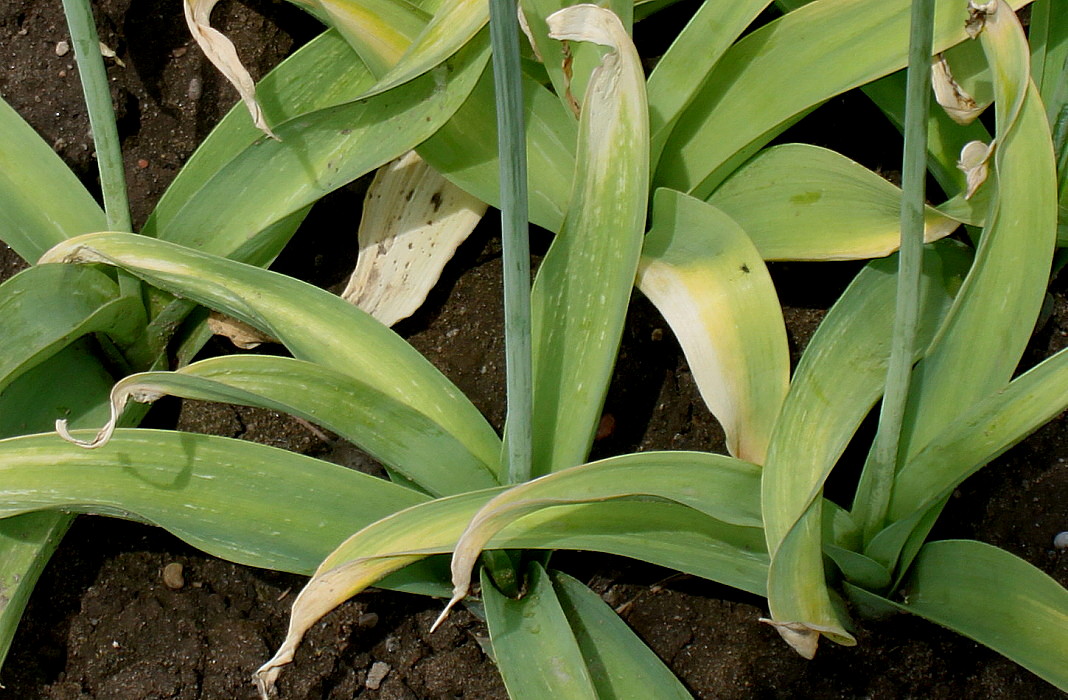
point(101, 114)
point(511, 144)
point(913, 176)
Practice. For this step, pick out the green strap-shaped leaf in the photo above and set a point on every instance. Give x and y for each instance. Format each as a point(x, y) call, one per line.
point(454, 25)
point(392, 432)
point(620, 664)
point(1048, 39)
point(44, 308)
point(379, 31)
point(776, 73)
point(315, 325)
point(248, 503)
point(692, 56)
point(660, 532)
point(801, 202)
point(1007, 283)
point(1003, 290)
point(70, 383)
point(41, 201)
point(583, 285)
point(838, 380)
point(708, 281)
point(536, 651)
point(993, 597)
point(464, 150)
point(728, 492)
point(325, 73)
point(318, 152)
point(981, 434)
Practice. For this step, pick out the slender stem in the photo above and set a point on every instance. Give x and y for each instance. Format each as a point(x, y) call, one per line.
point(914, 171)
point(511, 143)
point(101, 114)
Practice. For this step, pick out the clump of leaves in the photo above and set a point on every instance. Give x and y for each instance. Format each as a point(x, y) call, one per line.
point(756, 519)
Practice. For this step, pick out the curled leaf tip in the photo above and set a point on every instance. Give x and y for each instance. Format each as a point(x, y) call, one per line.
point(974, 163)
point(957, 103)
point(121, 394)
point(221, 52)
point(977, 14)
point(802, 638)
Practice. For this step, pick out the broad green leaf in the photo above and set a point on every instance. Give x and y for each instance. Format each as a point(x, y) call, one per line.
point(391, 432)
point(692, 56)
point(413, 220)
point(583, 285)
point(708, 281)
point(41, 201)
point(1007, 283)
point(27, 542)
point(70, 383)
point(1004, 289)
point(663, 533)
point(993, 597)
point(322, 74)
point(783, 69)
point(979, 435)
point(248, 503)
point(454, 25)
point(801, 202)
point(464, 150)
point(839, 379)
point(1047, 36)
point(313, 324)
point(620, 664)
point(318, 152)
point(728, 492)
point(536, 651)
point(379, 31)
point(46, 307)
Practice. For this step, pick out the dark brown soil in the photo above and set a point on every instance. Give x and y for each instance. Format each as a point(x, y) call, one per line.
point(103, 624)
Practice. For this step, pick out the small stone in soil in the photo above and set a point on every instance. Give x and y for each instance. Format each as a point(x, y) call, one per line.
point(377, 674)
point(172, 576)
point(1061, 540)
point(62, 48)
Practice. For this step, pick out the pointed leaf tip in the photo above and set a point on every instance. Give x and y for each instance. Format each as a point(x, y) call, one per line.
point(222, 53)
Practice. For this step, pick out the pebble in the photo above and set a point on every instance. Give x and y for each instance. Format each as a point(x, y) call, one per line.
point(173, 577)
point(1061, 540)
point(62, 48)
point(377, 674)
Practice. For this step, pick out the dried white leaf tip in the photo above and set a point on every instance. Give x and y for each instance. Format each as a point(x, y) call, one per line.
point(977, 14)
point(587, 22)
point(121, 394)
point(974, 162)
point(221, 52)
point(802, 638)
point(958, 104)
